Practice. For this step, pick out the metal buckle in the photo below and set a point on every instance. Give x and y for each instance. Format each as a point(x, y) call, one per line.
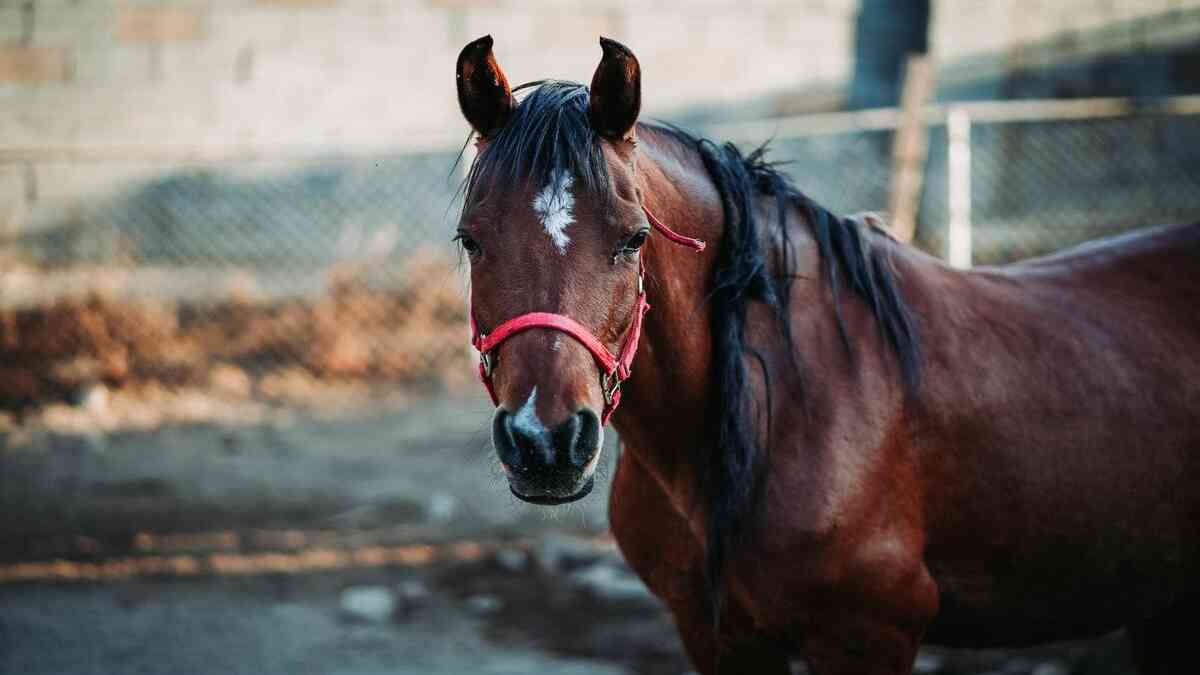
point(610, 384)
point(484, 359)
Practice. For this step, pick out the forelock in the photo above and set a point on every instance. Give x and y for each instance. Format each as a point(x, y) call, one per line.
point(547, 135)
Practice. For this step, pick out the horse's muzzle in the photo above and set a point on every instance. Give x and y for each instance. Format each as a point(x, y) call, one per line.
point(548, 466)
point(549, 500)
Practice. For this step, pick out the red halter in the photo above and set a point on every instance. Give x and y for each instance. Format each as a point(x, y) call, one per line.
point(613, 369)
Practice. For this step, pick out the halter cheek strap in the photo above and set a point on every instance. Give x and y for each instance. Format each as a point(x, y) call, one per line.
point(614, 369)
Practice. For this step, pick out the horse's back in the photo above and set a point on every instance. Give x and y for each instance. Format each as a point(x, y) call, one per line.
point(1076, 441)
point(1132, 295)
point(1168, 249)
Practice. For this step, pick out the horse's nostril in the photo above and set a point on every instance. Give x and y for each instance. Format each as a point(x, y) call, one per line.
point(583, 429)
point(565, 439)
point(521, 440)
point(504, 440)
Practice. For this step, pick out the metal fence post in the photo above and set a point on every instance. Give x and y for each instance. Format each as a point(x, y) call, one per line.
point(958, 174)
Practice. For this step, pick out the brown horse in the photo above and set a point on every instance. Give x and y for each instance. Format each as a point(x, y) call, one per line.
point(835, 446)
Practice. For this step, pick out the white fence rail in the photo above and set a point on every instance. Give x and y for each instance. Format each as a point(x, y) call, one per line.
point(985, 145)
point(996, 171)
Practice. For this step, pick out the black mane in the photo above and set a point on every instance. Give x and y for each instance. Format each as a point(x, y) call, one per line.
point(549, 131)
point(730, 477)
point(546, 133)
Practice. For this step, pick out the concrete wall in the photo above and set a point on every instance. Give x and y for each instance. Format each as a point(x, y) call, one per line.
point(1062, 48)
point(358, 71)
point(377, 74)
point(963, 28)
point(349, 74)
point(364, 71)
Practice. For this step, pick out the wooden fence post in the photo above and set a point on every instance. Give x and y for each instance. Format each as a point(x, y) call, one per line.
point(909, 148)
point(958, 180)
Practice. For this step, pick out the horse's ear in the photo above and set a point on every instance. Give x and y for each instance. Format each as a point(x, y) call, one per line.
point(483, 92)
point(616, 96)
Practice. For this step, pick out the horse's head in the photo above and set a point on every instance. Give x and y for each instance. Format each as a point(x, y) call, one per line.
point(553, 226)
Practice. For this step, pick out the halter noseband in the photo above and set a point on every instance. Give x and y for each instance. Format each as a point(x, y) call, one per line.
point(613, 369)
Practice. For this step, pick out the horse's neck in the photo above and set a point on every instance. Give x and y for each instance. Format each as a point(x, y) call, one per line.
point(662, 414)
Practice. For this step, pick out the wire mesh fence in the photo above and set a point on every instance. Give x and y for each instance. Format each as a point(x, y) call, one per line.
point(1036, 185)
point(277, 281)
point(1040, 186)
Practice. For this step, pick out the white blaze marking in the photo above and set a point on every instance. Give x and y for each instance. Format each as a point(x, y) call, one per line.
point(526, 418)
point(554, 204)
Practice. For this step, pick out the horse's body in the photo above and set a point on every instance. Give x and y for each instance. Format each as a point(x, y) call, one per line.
point(1061, 417)
point(1044, 484)
point(1042, 481)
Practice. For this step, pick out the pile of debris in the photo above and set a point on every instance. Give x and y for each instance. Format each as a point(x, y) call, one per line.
point(409, 333)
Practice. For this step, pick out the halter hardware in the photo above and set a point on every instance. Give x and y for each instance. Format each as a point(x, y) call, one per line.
point(486, 361)
point(610, 385)
point(614, 370)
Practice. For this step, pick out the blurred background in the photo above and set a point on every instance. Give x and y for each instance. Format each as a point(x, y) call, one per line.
point(239, 430)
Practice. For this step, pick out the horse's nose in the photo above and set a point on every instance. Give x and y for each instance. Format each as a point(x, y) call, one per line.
point(533, 452)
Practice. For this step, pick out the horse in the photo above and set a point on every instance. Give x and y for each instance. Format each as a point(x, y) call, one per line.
point(834, 446)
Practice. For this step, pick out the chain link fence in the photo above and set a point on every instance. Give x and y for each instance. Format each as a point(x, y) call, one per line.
point(1040, 186)
point(1041, 176)
point(324, 281)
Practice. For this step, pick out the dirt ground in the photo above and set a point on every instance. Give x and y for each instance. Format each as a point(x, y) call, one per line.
point(379, 541)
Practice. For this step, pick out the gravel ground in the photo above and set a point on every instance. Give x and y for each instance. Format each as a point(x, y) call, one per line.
point(282, 625)
point(534, 591)
point(426, 466)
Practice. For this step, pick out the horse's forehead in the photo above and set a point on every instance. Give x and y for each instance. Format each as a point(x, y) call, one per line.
point(565, 210)
point(554, 207)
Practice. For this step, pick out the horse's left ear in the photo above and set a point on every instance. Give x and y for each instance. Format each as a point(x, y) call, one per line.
point(616, 95)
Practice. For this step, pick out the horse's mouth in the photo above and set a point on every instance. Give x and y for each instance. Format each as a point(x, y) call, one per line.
point(554, 500)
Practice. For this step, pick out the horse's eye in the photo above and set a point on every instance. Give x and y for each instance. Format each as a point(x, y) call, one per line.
point(469, 245)
point(635, 242)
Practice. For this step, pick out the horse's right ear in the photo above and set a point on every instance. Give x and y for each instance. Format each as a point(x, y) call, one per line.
point(483, 92)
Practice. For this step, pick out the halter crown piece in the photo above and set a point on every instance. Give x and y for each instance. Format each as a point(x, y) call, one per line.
point(613, 369)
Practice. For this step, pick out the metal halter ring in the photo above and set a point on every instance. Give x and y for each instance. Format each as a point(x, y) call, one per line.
point(486, 361)
point(610, 384)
